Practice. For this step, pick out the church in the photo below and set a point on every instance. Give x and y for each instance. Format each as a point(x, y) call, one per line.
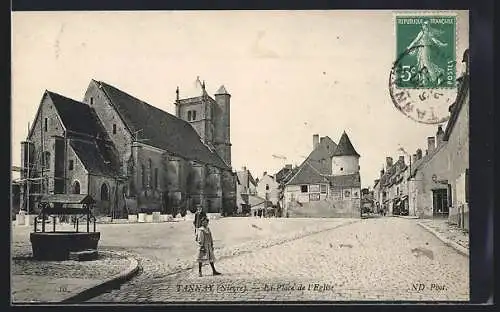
point(130, 156)
point(327, 183)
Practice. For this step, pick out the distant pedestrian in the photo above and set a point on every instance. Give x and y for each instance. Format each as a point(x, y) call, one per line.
point(205, 247)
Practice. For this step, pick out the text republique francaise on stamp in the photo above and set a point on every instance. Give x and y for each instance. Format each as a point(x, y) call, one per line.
point(423, 79)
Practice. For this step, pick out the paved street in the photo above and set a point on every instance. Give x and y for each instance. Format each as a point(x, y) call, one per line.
point(371, 259)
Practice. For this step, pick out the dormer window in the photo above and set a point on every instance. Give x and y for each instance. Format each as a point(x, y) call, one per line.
point(189, 115)
point(114, 128)
point(91, 101)
point(194, 115)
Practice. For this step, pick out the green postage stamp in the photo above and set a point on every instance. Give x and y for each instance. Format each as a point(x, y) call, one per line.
point(423, 81)
point(426, 51)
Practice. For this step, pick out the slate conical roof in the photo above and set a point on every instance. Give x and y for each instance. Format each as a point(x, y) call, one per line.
point(222, 90)
point(345, 148)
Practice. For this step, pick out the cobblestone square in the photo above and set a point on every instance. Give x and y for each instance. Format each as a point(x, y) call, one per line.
point(371, 259)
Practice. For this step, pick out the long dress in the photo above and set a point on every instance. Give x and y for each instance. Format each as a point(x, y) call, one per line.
point(205, 245)
point(427, 41)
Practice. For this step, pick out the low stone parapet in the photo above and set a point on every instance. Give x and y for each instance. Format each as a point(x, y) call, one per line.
point(132, 218)
point(141, 217)
point(156, 217)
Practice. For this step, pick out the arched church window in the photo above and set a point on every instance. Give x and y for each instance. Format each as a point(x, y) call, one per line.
point(143, 175)
point(76, 188)
point(104, 192)
point(156, 178)
point(46, 160)
point(150, 165)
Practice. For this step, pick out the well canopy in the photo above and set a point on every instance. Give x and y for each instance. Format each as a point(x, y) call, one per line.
point(67, 199)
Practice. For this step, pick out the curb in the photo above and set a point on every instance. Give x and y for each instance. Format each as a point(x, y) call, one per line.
point(107, 284)
point(460, 249)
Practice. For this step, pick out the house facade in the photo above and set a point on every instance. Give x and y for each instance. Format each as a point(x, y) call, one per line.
point(268, 188)
point(246, 191)
point(128, 155)
point(390, 188)
point(327, 183)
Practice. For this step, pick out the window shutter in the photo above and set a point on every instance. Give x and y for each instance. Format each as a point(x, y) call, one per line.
point(466, 185)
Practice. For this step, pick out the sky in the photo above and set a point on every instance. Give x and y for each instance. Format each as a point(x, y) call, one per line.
point(291, 74)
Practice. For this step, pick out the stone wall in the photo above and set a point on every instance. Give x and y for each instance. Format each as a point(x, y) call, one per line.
point(108, 117)
point(114, 205)
point(46, 125)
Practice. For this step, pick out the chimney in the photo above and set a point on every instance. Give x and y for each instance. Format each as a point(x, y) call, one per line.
point(439, 134)
point(431, 144)
point(414, 158)
point(315, 140)
point(288, 166)
point(419, 154)
point(402, 159)
point(244, 168)
point(388, 162)
point(265, 173)
point(321, 140)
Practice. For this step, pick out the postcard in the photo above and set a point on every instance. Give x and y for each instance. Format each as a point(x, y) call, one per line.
point(240, 156)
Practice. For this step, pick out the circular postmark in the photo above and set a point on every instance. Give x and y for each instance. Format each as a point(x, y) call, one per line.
point(417, 91)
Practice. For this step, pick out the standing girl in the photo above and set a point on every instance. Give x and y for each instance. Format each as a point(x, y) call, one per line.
point(205, 247)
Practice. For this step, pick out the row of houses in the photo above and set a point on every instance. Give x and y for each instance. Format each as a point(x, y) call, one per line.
point(434, 184)
point(326, 184)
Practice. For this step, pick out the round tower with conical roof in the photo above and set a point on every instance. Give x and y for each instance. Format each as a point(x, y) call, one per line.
point(345, 159)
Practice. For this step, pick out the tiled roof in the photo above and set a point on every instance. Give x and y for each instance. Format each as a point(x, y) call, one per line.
point(329, 144)
point(345, 148)
point(316, 166)
point(77, 116)
point(96, 157)
point(289, 174)
point(255, 200)
point(307, 174)
point(245, 177)
point(280, 175)
point(350, 180)
point(161, 129)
